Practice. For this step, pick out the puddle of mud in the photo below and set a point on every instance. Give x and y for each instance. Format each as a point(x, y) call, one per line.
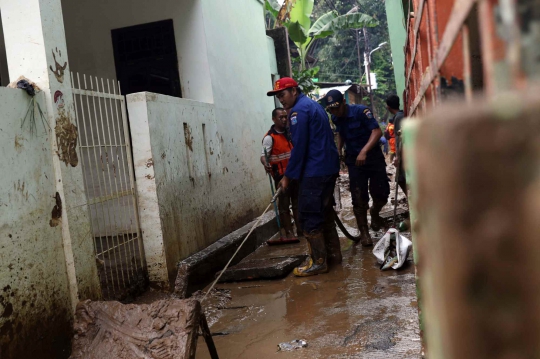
point(355, 311)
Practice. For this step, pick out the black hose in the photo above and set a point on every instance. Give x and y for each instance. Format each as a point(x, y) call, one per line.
point(343, 229)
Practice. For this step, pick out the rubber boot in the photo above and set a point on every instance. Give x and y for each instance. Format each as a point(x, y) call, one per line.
point(316, 263)
point(361, 219)
point(376, 220)
point(333, 247)
point(331, 238)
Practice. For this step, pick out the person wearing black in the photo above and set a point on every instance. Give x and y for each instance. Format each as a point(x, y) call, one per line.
point(360, 133)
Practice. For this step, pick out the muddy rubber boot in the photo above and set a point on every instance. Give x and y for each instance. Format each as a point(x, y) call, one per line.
point(377, 222)
point(333, 247)
point(361, 219)
point(316, 263)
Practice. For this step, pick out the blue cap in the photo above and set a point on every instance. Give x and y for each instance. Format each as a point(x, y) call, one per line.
point(333, 98)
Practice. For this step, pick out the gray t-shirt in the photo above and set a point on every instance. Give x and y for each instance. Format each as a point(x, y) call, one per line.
point(397, 126)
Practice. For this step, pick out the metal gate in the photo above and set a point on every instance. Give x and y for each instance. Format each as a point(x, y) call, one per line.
point(107, 165)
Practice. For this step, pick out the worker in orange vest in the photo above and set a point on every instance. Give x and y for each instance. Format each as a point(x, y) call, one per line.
point(278, 146)
point(390, 135)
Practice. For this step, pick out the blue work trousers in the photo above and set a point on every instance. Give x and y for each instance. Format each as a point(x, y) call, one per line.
point(370, 178)
point(315, 203)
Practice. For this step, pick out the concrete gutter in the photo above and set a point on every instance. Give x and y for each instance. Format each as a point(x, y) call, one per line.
point(198, 270)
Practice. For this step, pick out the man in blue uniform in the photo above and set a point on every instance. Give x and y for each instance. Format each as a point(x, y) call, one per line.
point(360, 133)
point(315, 163)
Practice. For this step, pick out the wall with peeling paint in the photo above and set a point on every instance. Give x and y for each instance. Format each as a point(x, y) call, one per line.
point(34, 296)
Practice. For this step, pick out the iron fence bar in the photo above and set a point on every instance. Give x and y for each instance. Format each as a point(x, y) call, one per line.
point(115, 176)
point(120, 245)
point(131, 176)
point(103, 175)
point(79, 140)
point(109, 176)
point(122, 211)
point(92, 176)
point(127, 181)
point(96, 94)
point(101, 146)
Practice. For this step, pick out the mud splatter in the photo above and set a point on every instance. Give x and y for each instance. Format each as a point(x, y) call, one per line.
point(188, 137)
point(66, 138)
point(19, 143)
point(149, 163)
point(56, 214)
point(59, 69)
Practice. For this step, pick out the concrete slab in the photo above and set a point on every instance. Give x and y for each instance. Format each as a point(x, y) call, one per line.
point(255, 269)
point(196, 271)
point(268, 262)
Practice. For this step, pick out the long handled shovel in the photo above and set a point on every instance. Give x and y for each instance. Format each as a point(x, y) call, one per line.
point(281, 239)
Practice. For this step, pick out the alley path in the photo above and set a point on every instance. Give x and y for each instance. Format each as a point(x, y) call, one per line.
point(355, 311)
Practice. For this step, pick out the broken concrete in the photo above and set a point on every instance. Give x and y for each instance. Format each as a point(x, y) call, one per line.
point(267, 262)
point(163, 329)
point(196, 271)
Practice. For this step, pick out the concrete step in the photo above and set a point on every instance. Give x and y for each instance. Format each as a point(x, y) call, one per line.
point(267, 262)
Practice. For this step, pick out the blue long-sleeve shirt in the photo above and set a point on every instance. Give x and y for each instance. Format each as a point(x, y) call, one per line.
point(314, 153)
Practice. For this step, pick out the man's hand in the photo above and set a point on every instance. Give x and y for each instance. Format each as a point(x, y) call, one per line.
point(268, 168)
point(361, 159)
point(284, 183)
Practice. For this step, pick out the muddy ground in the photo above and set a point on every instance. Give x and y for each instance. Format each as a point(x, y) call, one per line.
point(355, 311)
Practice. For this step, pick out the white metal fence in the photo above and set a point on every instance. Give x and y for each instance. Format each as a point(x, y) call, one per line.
point(106, 159)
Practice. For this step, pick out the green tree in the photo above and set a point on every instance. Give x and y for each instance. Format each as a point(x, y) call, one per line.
point(296, 16)
point(337, 55)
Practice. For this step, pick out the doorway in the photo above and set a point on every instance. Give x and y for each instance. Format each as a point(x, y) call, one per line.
point(146, 60)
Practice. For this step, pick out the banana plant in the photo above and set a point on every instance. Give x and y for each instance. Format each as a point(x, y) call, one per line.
point(296, 16)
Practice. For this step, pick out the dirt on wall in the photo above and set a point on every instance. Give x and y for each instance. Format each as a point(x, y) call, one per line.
point(31, 333)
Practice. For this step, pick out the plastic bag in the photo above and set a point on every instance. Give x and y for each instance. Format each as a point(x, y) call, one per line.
point(392, 241)
point(293, 345)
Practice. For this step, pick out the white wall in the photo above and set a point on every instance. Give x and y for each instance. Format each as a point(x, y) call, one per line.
point(34, 295)
point(224, 60)
point(180, 179)
point(88, 27)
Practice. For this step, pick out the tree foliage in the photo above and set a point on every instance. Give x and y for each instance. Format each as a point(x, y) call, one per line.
point(337, 55)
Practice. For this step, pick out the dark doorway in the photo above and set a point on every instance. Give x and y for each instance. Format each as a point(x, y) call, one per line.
point(145, 58)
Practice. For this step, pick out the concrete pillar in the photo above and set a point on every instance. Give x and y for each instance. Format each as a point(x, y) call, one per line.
point(36, 48)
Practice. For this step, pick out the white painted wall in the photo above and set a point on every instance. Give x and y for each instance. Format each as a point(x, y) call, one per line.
point(88, 25)
point(180, 179)
point(225, 59)
point(34, 294)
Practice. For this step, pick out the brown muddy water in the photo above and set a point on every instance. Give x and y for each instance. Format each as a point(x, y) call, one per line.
point(354, 311)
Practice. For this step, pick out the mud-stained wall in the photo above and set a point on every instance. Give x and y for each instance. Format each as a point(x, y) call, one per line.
point(209, 182)
point(184, 179)
point(35, 309)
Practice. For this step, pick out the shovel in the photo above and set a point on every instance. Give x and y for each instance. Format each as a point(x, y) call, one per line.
point(281, 239)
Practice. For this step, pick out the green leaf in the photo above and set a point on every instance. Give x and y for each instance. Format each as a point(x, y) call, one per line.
point(323, 21)
point(343, 22)
point(272, 7)
point(297, 33)
point(301, 13)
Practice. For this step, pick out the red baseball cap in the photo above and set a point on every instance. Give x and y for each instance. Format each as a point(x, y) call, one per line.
point(282, 84)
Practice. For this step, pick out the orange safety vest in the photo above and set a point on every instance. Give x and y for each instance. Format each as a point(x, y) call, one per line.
point(281, 151)
point(392, 140)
